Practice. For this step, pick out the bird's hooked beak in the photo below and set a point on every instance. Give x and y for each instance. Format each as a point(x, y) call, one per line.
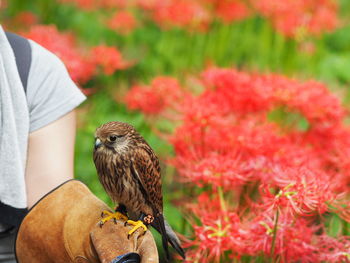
point(98, 143)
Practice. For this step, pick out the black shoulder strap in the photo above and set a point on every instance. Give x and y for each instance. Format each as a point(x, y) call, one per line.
point(23, 54)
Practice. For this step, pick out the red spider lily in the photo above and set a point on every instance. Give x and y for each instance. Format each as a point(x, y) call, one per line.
point(109, 59)
point(229, 156)
point(123, 22)
point(215, 169)
point(63, 45)
point(24, 19)
point(333, 144)
point(163, 93)
point(326, 110)
point(334, 249)
point(241, 91)
point(228, 10)
point(300, 192)
point(298, 17)
point(218, 233)
point(293, 238)
point(135, 99)
point(232, 10)
point(178, 13)
point(250, 93)
point(148, 5)
point(222, 148)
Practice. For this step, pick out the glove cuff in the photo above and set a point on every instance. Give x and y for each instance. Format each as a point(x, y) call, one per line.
point(127, 258)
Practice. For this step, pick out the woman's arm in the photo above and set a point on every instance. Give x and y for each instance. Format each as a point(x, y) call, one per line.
point(50, 157)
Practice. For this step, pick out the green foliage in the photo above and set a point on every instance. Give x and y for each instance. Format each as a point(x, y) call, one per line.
point(288, 120)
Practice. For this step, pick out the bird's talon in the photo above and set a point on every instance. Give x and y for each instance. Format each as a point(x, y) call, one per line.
point(137, 224)
point(115, 216)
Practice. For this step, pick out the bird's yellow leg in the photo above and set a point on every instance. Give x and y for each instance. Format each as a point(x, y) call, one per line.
point(115, 216)
point(137, 224)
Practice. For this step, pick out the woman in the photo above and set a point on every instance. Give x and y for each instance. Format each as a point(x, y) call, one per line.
point(37, 124)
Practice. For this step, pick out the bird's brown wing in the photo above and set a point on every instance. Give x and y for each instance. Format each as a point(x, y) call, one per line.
point(144, 167)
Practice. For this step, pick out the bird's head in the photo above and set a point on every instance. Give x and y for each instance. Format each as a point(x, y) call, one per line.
point(114, 136)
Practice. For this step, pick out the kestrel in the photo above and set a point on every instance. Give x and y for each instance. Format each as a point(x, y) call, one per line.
point(129, 171)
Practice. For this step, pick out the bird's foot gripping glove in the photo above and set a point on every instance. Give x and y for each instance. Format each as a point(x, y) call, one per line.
point(137, 225)
point(115, 216)
point(64, 227)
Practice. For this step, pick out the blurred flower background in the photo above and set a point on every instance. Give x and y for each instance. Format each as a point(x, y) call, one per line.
point(244, 101)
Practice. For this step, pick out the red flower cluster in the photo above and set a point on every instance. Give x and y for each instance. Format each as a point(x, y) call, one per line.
point(292, 241)
point(123, 22)
point(21, 20)
point(270, 184)
point(177, 13)
point(297, 17)
point(109, 59)
point(193, 14)
point(221, 230)
point(197, 14)
point(294, 18)
point(164, 93)
point(228, 10)
point(81, 64)
point(63, 45)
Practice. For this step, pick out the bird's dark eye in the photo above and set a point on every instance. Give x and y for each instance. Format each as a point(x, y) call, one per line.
point(112, 138)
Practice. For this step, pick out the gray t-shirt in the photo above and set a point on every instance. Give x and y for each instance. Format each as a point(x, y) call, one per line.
point(50, 91)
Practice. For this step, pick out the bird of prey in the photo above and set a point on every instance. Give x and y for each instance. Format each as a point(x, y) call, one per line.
point(129, 171)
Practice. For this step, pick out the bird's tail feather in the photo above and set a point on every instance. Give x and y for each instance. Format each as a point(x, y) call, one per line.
point(159, 225)
point(174, 240)
point(168, 235)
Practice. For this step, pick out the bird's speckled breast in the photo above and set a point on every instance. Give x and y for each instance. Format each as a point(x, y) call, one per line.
point(116, 178)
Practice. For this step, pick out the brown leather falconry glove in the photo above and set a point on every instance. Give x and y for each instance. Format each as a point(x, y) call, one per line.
point(64, 227)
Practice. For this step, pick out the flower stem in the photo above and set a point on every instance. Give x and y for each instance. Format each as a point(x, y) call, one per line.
point(222, 200)
point(274, 236)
